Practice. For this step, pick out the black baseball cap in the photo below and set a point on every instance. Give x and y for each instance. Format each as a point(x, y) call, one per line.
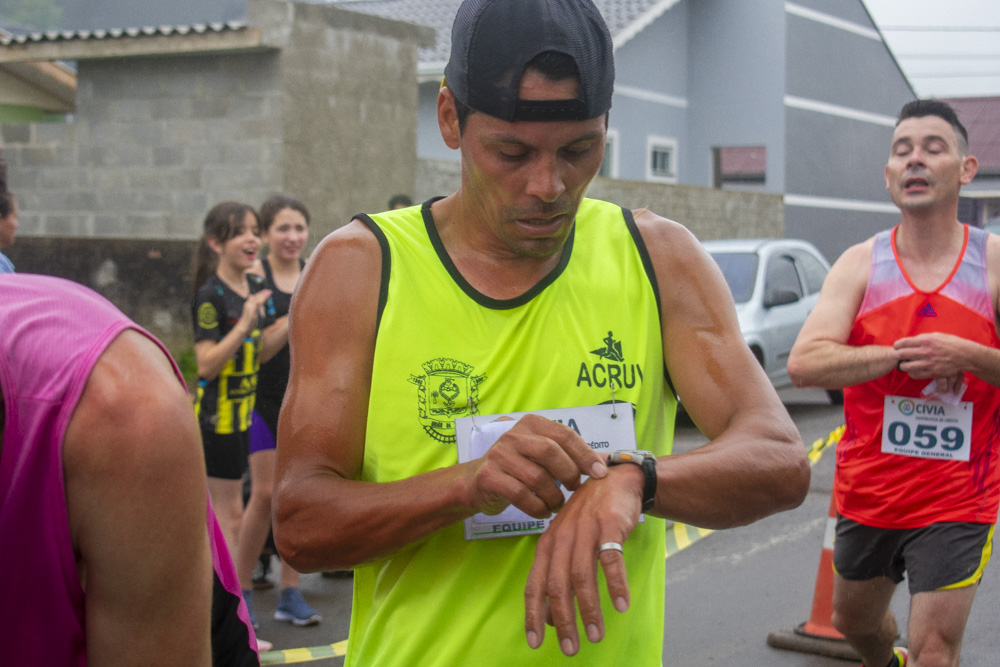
point(493, 40)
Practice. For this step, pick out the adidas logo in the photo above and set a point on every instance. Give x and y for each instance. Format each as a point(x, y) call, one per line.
point(926, 311)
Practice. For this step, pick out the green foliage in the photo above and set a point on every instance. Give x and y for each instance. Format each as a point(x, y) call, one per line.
point(36, 14)
point(188, 364)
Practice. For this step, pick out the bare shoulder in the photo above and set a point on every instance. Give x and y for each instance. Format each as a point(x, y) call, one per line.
point(852, 268)
point(684, 269)
point(131, 408)
point(664, 236)
point(338, 294)
point(347, 258)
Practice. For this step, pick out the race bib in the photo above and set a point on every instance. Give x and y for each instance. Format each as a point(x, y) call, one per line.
point(605, 428)
point(927, 429)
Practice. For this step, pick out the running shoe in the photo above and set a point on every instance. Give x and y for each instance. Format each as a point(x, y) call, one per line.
point(293, 607)
point(253, 619)
point(900, 654)
point(263, 646)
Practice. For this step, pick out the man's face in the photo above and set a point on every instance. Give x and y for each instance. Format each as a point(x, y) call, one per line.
point(926, 165)
point(524, 180)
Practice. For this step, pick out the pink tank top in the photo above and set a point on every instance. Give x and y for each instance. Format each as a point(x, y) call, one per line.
point(52, 332)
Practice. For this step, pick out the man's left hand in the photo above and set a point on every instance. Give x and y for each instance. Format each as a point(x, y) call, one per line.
point(564, 573)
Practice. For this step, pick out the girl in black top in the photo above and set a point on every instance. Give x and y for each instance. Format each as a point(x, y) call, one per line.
point(233, 333)
point(285, 228)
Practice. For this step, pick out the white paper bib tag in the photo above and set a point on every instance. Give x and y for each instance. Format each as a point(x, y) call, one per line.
point(927, 429)
point(606, 428)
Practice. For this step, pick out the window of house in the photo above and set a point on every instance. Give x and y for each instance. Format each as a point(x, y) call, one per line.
point(739, 165)
point(609, 167)
point(661, 160)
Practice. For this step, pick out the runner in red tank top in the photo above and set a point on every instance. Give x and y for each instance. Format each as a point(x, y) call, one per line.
point(907, 325)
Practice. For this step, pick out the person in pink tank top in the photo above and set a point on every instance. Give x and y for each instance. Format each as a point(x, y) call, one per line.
point(103, 495)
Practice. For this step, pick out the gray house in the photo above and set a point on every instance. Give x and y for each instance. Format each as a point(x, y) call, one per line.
point(789, 98)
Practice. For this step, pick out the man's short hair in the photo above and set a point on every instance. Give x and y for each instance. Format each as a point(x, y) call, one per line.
point(944, 111)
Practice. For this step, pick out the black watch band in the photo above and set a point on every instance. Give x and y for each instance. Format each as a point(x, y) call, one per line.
point(647, 462)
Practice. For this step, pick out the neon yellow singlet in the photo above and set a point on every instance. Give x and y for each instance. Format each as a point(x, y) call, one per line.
point(591, 323)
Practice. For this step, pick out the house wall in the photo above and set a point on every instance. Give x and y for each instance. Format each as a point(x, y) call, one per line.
point(836, 150)
point(736, 84)
point(654, 62)
point(115, 198)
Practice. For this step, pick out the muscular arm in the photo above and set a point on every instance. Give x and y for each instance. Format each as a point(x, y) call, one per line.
point(821, 356)
point(136, 495)
point(755, 462)
point(324, 518)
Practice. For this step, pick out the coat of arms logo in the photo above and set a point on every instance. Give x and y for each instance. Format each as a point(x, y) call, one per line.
point(446, 390)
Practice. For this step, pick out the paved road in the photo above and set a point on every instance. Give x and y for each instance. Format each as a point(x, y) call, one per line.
point(725, 592)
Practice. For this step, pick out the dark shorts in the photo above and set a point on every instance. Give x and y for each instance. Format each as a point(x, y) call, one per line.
point(225, 453)
point(938, 556)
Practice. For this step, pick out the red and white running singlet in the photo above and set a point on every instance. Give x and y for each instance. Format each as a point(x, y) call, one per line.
point(909, 458)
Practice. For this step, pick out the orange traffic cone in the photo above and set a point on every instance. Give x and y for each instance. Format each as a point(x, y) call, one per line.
point(817, 635)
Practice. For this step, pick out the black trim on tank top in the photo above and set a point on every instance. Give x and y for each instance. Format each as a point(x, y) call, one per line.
point(472, 292)
point(383, 289)
point(647, 264)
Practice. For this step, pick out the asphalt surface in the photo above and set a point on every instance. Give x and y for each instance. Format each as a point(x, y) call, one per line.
point(724, 593)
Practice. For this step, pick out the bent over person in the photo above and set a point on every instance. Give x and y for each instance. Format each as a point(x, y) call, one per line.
point(906, 323)
point(112, 555)
point(420, 335)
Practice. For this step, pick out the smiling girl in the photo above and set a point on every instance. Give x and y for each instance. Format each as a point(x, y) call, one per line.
point(234, 331)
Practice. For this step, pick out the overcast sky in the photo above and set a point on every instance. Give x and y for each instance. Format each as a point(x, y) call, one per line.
point(952, 48)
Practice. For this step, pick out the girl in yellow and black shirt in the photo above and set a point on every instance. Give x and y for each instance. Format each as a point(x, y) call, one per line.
point(234, 331)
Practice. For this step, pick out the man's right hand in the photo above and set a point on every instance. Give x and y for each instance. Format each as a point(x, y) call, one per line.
point(526, 465)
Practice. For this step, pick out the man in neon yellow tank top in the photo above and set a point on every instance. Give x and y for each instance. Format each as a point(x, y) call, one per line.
point(906, 323)
point(416, 328)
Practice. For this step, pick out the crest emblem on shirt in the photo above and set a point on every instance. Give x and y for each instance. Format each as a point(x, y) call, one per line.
point(445, 391)
point(208, 318)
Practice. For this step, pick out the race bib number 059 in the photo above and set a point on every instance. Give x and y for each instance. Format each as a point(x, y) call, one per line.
point(927, 429)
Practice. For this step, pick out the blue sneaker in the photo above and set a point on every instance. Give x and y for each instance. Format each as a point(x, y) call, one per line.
point(253, 619)
point(293, 607)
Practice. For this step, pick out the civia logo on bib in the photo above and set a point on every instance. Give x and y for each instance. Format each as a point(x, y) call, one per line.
point(445, 392)
point(906, 406)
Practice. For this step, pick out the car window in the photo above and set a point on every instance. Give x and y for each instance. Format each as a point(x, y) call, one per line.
point(740, 270)
point(812, 270)
point(780, 276)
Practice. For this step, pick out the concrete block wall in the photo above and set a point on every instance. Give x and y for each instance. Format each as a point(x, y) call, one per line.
point(153, 144)
point(349, 112)
point(115, 197)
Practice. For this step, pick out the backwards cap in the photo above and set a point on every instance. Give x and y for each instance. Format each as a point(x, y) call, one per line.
point(493, 40)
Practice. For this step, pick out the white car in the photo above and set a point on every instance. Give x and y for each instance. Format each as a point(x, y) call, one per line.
point(775, 284)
